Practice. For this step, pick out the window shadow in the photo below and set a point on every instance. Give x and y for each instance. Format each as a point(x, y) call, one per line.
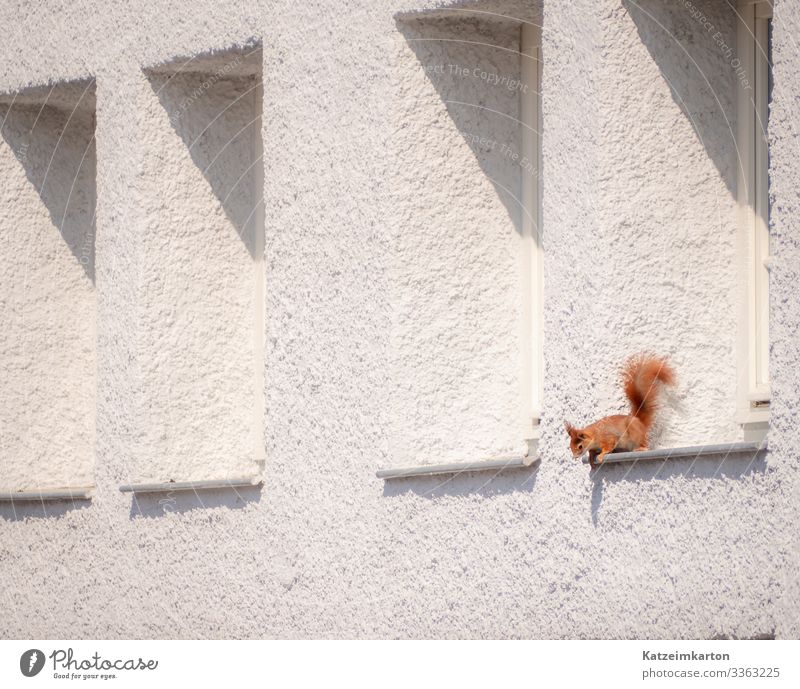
point(457, 173)
point(471, 56)
point(50, 131)
point(708, 468)
point(699, 69)
point(213, 103)
point(155, 505)
point(22, 510)
point(763, 636)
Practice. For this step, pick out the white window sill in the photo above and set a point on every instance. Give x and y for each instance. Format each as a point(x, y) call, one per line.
point(690, 452)
point(38, 494)
point(496, 464)
point(170, 486)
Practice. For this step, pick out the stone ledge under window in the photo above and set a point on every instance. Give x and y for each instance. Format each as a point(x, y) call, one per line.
point(497, 464)
point(37, 494)
point(169, 486)
point(689, 452)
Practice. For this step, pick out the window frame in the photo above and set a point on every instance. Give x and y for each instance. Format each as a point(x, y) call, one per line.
point(753, 72)
point(531, 254)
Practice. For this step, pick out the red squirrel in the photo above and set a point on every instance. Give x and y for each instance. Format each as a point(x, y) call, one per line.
point(625, 432)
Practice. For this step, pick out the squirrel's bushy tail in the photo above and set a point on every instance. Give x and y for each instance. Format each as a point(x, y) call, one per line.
point(639, 377)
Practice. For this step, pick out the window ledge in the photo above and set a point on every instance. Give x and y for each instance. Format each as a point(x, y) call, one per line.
point(170, 486)
point(74, 493)
point(497, 464)
point(689, 452)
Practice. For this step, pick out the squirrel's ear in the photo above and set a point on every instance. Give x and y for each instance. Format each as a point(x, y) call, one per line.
point(569, 428)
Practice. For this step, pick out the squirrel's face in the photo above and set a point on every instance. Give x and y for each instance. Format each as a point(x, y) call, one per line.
point(578, 442)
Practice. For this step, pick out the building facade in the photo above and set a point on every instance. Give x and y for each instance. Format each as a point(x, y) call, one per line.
point(265, 264)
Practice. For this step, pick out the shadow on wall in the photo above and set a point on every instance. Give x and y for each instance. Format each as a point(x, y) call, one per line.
point(698, 68)
point(474, 66)
point(19, 511)
point(56, 148)
point(214, 111)
point(154, 505)
point(700, 469)
point(483, 483)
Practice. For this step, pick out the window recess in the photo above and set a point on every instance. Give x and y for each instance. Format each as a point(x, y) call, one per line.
point(531, 254)
point(754, 93)
point(47, 311)
point(467, 263)
point(201, 323)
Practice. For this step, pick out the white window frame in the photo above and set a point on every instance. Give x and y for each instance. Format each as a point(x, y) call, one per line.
point(259, 239)
point(753, 202)
point(531, 255)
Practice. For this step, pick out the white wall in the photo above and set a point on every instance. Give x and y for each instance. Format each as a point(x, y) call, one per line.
point(638, 235)
point(785, 312)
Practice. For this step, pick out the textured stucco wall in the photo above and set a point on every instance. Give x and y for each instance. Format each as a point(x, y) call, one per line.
point(639, 237)
point(784, 133)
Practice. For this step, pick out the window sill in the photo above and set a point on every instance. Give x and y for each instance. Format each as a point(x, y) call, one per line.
point(76, 493)
point(690, 452)
point(170, 486)
point(497, 464)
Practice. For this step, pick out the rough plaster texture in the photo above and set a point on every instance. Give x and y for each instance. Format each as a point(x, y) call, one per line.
point(784, 134)
point(47, 302)
point(639, 241)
